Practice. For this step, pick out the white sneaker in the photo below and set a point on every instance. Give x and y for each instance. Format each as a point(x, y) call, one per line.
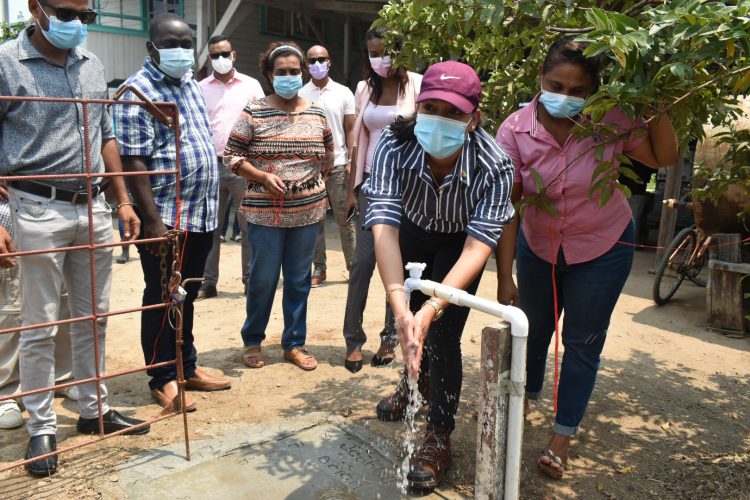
point(10, 415)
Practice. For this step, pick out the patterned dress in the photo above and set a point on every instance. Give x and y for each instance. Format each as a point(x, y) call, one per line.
point(293, 146)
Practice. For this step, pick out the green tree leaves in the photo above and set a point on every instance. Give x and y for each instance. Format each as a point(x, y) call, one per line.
point(688, 57)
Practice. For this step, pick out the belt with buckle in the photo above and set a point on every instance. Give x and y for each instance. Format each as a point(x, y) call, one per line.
point(75, 197)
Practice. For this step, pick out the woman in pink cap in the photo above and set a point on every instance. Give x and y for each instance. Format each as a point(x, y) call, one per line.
point(578, 244)
point(438, 194)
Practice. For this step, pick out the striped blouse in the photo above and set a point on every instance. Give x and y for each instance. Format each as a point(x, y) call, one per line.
point(473, 198)
point(293, 146)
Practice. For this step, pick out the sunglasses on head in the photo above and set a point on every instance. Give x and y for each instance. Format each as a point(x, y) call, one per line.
point(66, 15)
point(226, 54)
point(313, 60)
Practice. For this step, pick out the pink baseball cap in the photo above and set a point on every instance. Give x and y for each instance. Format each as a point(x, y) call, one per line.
point(454, 82)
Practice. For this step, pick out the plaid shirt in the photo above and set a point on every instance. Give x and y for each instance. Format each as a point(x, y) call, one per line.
point(5, 217)
point(139, 134)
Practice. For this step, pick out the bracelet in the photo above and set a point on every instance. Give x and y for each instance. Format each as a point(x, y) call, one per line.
point(439, 310)
point(120, 205)
point(390, 291)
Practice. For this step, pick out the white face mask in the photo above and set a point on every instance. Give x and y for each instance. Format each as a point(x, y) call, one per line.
point(222, 65)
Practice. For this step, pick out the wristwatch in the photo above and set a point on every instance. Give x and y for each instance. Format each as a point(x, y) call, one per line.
point(439, 310)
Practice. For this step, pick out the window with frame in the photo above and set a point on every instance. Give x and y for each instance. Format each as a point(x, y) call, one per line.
point(286, 23)
point(132, 15)
point(122, 14)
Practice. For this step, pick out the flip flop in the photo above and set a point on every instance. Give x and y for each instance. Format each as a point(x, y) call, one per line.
point(252, 357)
point(548, 468)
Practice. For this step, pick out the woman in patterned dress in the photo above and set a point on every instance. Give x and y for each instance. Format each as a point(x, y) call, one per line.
point(283, 146)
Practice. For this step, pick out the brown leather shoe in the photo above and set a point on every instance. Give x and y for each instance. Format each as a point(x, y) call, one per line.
point(318, 277)
point(204, 381)
point(393, 408)
point(167, 398)
point(428, 465)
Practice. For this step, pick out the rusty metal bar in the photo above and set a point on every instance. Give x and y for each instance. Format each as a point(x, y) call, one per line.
point(105, 376)
point(85, 318)
point(85, 247)
point(81, 176)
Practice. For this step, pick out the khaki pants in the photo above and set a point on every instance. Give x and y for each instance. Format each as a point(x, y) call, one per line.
point(10, 317)
point(41, 223)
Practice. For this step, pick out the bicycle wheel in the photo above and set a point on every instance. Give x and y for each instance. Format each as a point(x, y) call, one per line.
point(671, 270)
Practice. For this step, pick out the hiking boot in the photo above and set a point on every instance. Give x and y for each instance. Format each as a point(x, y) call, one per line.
point(393, 408)
point(428, 465)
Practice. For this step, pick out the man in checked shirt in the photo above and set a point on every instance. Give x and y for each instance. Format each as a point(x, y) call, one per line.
point(148, 145)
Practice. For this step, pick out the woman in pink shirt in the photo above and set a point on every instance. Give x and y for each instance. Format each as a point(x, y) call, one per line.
point(578, 243)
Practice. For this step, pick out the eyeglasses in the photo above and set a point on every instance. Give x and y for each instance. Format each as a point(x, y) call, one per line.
point(226, 54)
point(66, 15)
point(313, 60)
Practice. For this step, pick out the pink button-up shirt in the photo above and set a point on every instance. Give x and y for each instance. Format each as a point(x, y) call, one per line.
point(583, 228)
point(225, 102)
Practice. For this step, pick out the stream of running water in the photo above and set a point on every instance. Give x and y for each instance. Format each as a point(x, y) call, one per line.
point(409, 436)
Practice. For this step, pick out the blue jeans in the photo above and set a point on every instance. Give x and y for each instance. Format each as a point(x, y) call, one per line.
point(587, 292)
point(287, 249)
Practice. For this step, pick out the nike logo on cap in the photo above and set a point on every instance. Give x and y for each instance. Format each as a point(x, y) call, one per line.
point(448, 77)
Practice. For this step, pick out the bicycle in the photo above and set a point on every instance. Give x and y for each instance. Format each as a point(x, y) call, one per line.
point(686, 257)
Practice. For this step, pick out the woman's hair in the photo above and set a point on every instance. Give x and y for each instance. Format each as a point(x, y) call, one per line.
point(276, 50)
point(374, 81)
point(567, 50)
point(403, 127)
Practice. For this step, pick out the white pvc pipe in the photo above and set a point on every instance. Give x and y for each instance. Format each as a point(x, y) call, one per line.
point(519, 330)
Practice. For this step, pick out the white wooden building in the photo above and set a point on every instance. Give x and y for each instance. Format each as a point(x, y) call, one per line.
point(119, 36)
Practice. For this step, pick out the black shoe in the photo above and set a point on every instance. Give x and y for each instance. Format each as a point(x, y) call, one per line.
point(353, 366)
point(378, 361)
point(41, 445)
point(207, 292)
point(124, 256)
point(113, 422)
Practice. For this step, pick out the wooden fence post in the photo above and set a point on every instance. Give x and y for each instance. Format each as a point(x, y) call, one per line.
point(492, 424)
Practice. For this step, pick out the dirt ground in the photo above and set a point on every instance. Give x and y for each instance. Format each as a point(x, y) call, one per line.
point(669, 418)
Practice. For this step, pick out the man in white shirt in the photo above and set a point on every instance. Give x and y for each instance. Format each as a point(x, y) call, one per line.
point(226, 92)
point(338, 104)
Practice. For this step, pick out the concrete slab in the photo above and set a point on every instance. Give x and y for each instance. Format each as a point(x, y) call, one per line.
point(317, 457)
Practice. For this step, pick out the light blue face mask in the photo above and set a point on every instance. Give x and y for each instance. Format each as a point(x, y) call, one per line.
point(64, 35)
point(176, 62)
point(561, 105)
point(440, 137)
point(287, 86)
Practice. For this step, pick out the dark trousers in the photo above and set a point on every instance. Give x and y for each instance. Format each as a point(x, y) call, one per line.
point(442, 352)
point(587, 293)
point(157, 336)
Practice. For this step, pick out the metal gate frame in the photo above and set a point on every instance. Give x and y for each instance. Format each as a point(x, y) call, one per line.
point(167, 114)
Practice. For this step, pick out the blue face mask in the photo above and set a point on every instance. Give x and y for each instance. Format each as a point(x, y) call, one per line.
point(176, 62)
point(287, 86)
point(561, 105)
point(63, 35)
point(439, 137)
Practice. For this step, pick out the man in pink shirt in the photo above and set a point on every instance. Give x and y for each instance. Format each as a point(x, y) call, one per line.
point(226, 92)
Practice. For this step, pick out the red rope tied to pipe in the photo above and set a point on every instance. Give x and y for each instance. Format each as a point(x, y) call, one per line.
point(557, 315)
point(636, 245)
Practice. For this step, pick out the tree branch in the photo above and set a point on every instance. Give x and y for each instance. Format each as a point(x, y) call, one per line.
point(699, 88)
point(558, 29)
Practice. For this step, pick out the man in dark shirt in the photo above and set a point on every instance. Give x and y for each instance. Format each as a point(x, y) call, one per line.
point(49, 138)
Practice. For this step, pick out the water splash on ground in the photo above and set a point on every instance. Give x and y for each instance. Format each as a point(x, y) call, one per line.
point(408, 443)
